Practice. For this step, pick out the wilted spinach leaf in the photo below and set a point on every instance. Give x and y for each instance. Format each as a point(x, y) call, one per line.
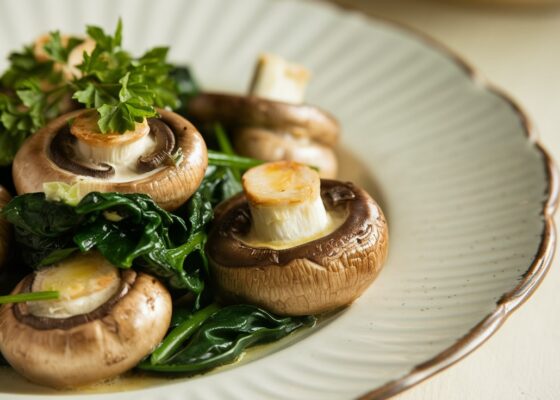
point(126, 229)
point(225, 335)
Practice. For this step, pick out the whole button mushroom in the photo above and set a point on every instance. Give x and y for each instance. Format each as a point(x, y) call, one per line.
point(272, 123)
point(294, 244)
point(5, 228)
point(103, 324)
point(164, 157)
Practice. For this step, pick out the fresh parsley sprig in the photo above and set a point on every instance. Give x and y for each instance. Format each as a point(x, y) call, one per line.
point(25, 110)
point(123, 89)
point(32, 91)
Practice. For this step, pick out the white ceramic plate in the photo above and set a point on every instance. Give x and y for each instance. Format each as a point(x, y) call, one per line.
point(467, 191)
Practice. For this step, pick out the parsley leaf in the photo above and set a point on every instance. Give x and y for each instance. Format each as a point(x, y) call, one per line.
point(59, 51)
point(14, 128)
point(124, 89)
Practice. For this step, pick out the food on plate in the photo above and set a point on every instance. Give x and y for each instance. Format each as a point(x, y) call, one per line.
point(102, 325)
point(45, 51)
point(131, 233)
point(5, 229)
point(122, 88)
point(164, 157)
point(38, 86)
point(127, 229)
point(139, 246)
point(272, 123)
point(294, 244)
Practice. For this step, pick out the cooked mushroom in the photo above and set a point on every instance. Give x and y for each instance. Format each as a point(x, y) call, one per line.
point(296, 245)
point(165, 158)
point(272, 123)
point(5, 228)
point(103, 324)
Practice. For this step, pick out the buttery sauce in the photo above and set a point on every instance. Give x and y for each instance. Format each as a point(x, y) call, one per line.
point(125, 165)
point(336, 219)
point(12, 382)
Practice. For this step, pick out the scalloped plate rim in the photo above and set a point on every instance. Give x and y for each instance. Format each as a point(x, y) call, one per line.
point(540, 265)
point(536, 270)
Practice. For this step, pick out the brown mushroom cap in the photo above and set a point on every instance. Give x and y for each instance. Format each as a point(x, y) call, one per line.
point(273, 146)
point(300, 120)
point(169, 187)
point(90, 347)
point(311, 278)
point(272, 130)
point(5, 228)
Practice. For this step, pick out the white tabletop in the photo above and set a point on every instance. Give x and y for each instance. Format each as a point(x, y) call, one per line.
point(519, 50)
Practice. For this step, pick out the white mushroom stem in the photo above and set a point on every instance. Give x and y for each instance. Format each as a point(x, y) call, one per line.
point(84, 282)
point(111, 148)
point(279, 80)
point(285, 202)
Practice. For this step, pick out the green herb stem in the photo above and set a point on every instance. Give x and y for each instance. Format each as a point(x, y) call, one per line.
point(226, 147)
point(33, 296)
point(228, 160)
point(195, 241)
point(180, 334)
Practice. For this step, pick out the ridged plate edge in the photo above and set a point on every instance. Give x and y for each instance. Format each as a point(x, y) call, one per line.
point(539, 266)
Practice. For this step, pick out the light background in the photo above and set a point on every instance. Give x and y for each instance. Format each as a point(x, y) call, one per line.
point(519, 50)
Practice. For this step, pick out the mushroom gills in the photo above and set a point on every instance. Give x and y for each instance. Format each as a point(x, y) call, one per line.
point(63, 154)
point(165, 144)
point(116, 157)
point(277, 79)
point(84, 282)
point(286, 205)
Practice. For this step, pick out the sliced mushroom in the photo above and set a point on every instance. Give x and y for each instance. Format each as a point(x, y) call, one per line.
point(124, 317)
point(5, 229)
point(328, 266)
point(170, 185)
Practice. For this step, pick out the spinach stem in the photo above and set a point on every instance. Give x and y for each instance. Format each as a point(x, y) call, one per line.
point(180, 334)
point(196, 240)
point(226, 147)
point(229, 160)
point(33, 296)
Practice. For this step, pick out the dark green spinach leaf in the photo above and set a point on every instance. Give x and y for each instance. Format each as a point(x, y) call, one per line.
point(225, 335)
point(142, 234)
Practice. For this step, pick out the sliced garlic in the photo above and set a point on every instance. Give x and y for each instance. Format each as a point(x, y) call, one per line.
point(285, 202)
point(111, 148)
point(84, 282)
point(277, 79)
